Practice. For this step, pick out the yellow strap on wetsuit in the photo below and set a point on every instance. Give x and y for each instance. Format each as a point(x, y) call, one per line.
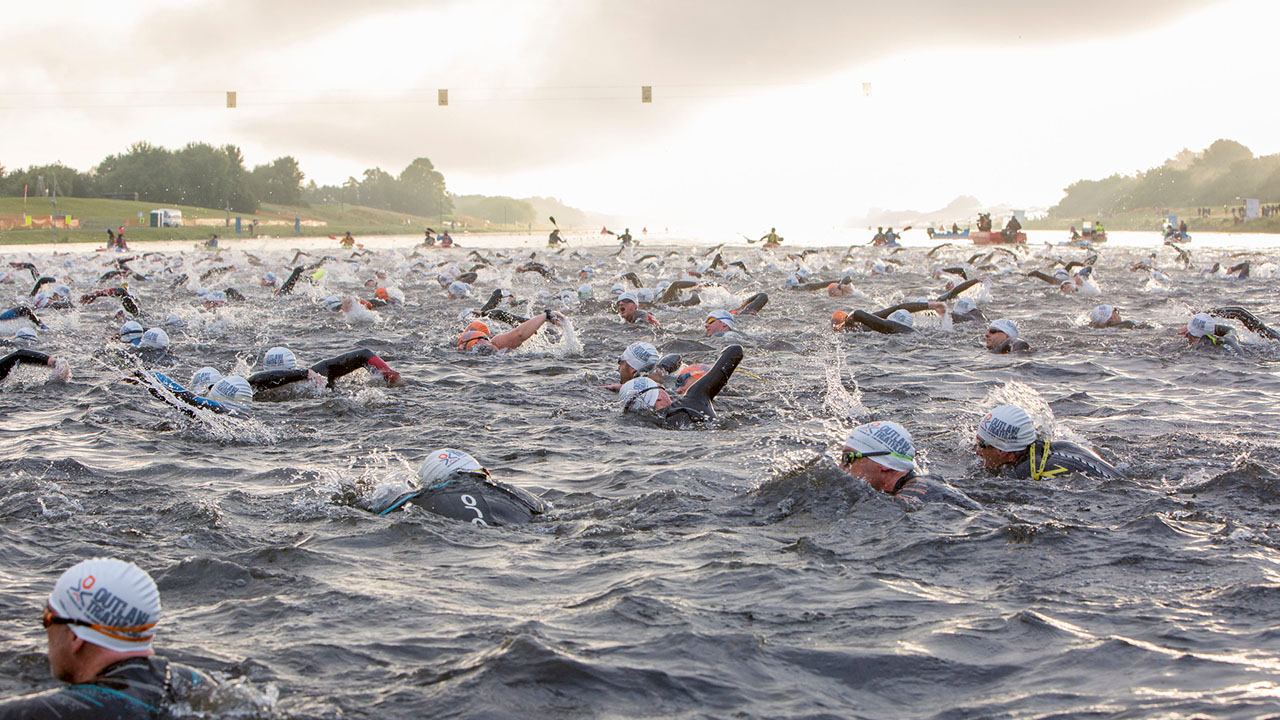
point(1039, 473)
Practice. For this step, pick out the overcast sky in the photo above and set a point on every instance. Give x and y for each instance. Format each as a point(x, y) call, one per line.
point(758, 117)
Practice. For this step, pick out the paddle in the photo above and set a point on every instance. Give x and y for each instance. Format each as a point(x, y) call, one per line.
point(749, 239)
point(552, 218)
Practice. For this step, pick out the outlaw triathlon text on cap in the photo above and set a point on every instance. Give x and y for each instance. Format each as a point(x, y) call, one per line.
point(884, 437)
point(641, 356)
point(1201, 324)
point(118, 598)
point(1007, 428)
point(1006, 326)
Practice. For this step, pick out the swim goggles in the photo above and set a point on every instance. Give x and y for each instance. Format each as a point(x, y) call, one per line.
point(134, 632)
point(848, 456)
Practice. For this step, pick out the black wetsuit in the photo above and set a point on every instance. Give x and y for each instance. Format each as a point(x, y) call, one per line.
point(22, 311)
point(672, 291)
point(1246, 318)
point(1045, 459)
point(1011, 345)
point(30, 357)
point(876, 323)
point(332, 369)
point(140, 687)
point(287, 287)
point(474, 497)
point(696, 405)
point(958, 289)
point(754, 304)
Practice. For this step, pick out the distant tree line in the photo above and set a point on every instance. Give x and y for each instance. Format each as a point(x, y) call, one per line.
point(215, 177)
point(203, 175)
point(1219, 175)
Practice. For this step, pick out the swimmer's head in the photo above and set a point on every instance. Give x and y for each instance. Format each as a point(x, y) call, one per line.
point(718, 321)
point(232, 388)
point(1102, 315)
point(279, 358)
point(1003, 434)
point(617, 290)
point(586, 273)
point(792, 280)
point(333, 303)
point(1200, 325)
point(133, 596)
point(62, 291)
point(964, 306)
point(382, 294)
point(204, 379)
point(217, 298)
point(642, 393)
point(881, 453)
point(269, 279)
point(474, 337)
point(662, 286)
point(639, 357)
point(42, 300)
point(837, 320)
point(131, 332)
point(1068, 286)
point(627, 305)
point(441, 464)
point(174, 321)
point(584, 292)
point(26, 336)
point(459, 289)
point(999, 331)
point(644, 295)
point(902, 317)
point(154, 339)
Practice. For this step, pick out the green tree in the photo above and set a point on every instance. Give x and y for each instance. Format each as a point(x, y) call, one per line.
point(278, 182)
point(422, 189)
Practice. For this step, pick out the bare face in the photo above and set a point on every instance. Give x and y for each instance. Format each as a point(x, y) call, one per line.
point(877, 476)
point(625, 371)
point(716, 326)
point(993, 458)
point(61, 659)
point(994, 338)
point(626, 309)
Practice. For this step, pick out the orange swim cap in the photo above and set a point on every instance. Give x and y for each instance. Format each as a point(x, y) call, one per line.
point(837, 320)
point(381, 294)
point(689, 374)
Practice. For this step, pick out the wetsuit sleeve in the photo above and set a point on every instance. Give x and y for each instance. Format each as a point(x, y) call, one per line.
point(1042, 276)
point(958, 289)
point(696, 406)
point(287, 287)
point(1246, 318)
point(13, 359)
point(506, 317)
point(911, 307)
point(880, 325)
point(756, 303)
point(269, 379)
point(336, 367)
point(673, 290)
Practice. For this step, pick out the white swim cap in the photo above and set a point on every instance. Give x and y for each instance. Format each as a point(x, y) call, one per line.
point(118, 597)
point(26, 335)
point(333, 303)
point(663, 285)
point(644, 295)
point(1201, 324)
point(204, 379)
point(442, 463)
point(1006, 326)
point(218, 297)
point(154, 339)
point(902, 316)
point(641, 356)
point(63, 291)
point(42, 300)
point(638, 393)
point(233, 388)
point(617, 289)
point(965, 305)
point(584, 291)
point(131, 332)
point(459, 289)
point(723, 316)
point(628, 297)
point(1007, 428)
point(792, 281)
point(1101, 314)
point(175, 321)
point(889, 438)
point(279, 358)
point(269, 278)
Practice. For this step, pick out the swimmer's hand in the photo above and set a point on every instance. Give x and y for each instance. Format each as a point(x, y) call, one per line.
point(938, 307)
point(613, 388)
point(319, 380)
point(61, 369)
point(557, 318)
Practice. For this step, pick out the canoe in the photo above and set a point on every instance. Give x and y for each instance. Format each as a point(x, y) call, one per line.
point(989, 237)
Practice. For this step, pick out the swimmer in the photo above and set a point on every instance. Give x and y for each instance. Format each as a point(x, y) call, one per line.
point(966, 310)
point(895, 320)
point(24, 337)
point(223, 396)
point(454, 485)
point(1002, 337)
point(752, 305)
point(629, 310)
point(280, 368)
point(882, 454)
point(1007, 438)
point(1202, 330)
point(638, 359)
point(477, 338)
point(718, 323)
point(61, 370)
point(696, 405)
point(1104, 316)
point(841, 289)
point(99, 621)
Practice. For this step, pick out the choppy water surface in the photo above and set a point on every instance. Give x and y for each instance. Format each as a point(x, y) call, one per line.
point(728, 571)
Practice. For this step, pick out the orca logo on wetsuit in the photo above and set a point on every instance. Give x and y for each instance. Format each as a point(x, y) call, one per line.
point(470, 502)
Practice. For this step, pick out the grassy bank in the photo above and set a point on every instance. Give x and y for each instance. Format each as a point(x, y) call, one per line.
point(96, 215)
point(1152, 219)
